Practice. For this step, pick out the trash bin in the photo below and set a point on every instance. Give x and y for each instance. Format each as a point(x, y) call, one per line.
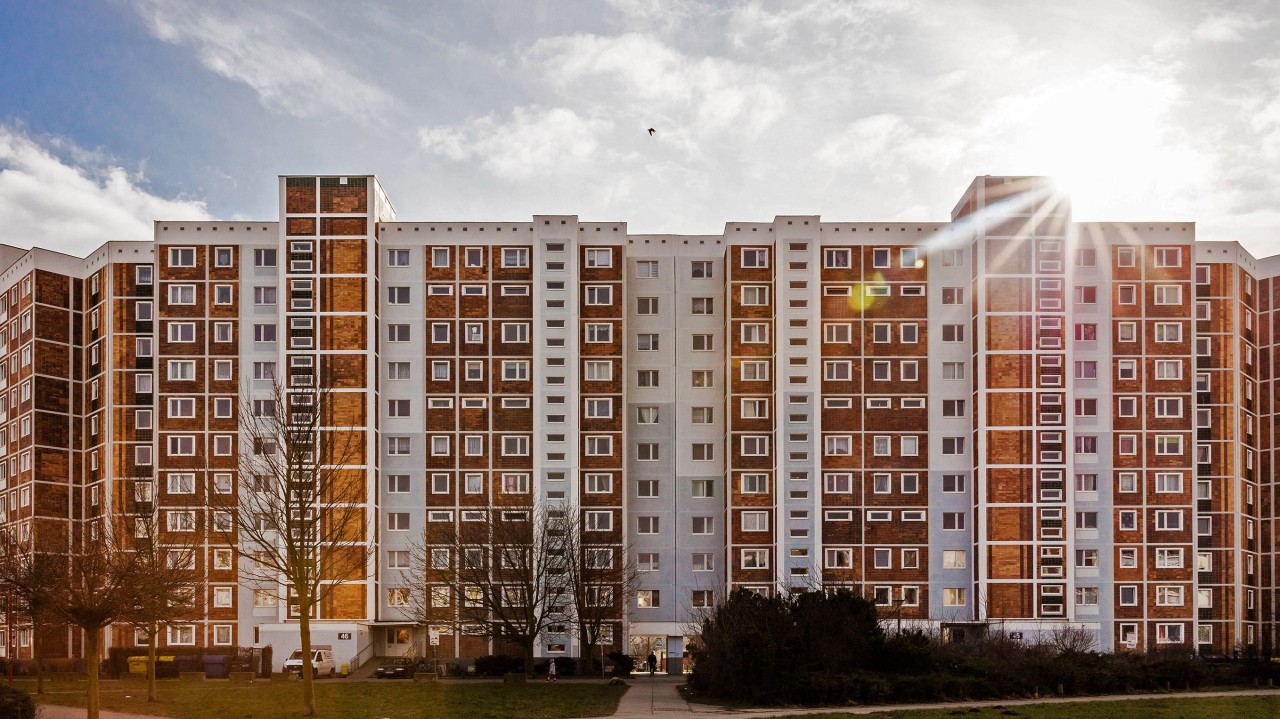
point(166, 667)
point(188, 664)
point(138, 665)
point(216, 666)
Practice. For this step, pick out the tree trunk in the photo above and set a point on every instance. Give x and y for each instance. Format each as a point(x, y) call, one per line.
point(153, 632)
point(527, 646)
point(91, 668)
point(36, 652)
point(587, 660)
point(304, 628)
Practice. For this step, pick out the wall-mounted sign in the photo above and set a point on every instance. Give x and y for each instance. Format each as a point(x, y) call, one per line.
point(344, 635)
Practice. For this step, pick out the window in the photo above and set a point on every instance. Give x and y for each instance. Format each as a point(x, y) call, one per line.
point(598, 521)
point(264, 333)
point(703, 306)
point(599, 332)
point(1086, 332)
point(953, 597)
point(1169, 596)
point(1086, 295)
point(953, 333)
point(1169, 370)
point(755, 446)
point(1168, 558)
point(1167, 444)
point(182, 294)
point(755, 295)
point(180, 521)
point(752, 258)
point(264, 258)
point(646, 305)
point(1168, 257)
point(599, 295)
point(1168, 332)
point(909, 446)
point(952, 370)
point(954, 558)
point(647, 378)
point(1168, 294)
point(953, 445)
point(599, 445)
point(754, 558)
point(1169, 520)
point(953, 520)
point(754, 521)
point(647, 342)
point(182, 257)
point(598, 371)
point(599, 257)
point(515, 370)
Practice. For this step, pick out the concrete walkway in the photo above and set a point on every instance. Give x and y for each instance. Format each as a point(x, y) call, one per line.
point(52, 711)
point(660, 696)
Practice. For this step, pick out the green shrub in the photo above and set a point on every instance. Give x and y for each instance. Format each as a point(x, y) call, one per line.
point(16, 704)
point(623, 664)
point(495, 665)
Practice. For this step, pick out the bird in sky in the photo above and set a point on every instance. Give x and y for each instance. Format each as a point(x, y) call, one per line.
point(651, 131)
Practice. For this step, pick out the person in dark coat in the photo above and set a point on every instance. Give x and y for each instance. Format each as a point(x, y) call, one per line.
point(653, 663)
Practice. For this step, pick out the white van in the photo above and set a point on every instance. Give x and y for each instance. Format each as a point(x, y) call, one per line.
point(321, 661)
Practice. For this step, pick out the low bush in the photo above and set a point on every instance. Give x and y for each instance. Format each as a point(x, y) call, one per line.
point(16, 704)
point(827, 648)
point(623, 664)
point(495, 665)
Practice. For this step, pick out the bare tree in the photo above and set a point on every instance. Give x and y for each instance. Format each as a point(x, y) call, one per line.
point(29, 582)
point(98, 583)
point(168, 577)
point(600, 577)
point(1070, 639)
point(300, 508)
point(505, 568)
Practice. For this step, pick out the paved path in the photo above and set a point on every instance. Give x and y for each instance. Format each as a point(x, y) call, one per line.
point(52, 711)
point(660, 697)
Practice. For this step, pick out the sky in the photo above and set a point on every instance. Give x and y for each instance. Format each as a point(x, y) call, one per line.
point(114, 113)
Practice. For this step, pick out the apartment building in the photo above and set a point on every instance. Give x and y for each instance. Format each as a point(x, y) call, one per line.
point(1010, 421)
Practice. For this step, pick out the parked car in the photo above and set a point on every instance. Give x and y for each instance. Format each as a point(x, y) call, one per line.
point(396, 668)
point(321, 662)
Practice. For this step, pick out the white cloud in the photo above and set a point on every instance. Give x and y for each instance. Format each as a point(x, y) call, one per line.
point(74, 205)
point(275, 53)
point(1226, 27)
point(534, 141)
point(657, 85)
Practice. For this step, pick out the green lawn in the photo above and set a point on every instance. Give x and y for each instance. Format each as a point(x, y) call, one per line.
point(1243, 707)
point(280, 698)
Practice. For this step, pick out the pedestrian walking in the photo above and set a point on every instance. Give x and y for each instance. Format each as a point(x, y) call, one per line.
point(551, 672)
point(653, 663)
